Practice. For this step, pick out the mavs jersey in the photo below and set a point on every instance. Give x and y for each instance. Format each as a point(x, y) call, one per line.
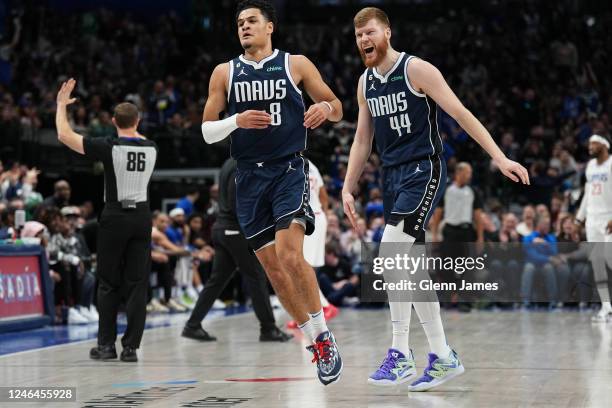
point(266, 85)
point(405, 121)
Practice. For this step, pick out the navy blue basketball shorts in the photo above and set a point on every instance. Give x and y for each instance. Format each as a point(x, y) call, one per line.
point(272, 195)
point(411, 192)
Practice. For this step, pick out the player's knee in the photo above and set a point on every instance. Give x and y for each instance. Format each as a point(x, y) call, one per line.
point(290, 259)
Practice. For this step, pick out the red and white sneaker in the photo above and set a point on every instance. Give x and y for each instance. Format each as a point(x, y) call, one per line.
point(330, 312)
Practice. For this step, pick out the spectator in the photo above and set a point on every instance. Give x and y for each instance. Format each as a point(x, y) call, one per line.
point(540, 247)
point(60, 197)
point(527, 224)
point(504, 253)
point(164, 254)
point(573, 261)
point(374, 207)
point(336, 280)
point(74, 293)
point(187, 202)
point(177, 232)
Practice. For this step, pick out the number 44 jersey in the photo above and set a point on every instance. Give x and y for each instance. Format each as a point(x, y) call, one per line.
point(405, 121)
point(268, 86)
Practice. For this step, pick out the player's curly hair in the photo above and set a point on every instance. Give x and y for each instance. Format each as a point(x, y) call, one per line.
point(267, 9)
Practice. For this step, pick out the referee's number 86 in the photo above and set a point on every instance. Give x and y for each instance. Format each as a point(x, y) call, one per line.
point(136, 161)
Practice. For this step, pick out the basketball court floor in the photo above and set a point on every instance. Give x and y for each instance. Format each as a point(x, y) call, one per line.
point(512, 359)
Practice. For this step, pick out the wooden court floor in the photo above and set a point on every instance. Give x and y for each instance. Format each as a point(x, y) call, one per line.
point(512, 359)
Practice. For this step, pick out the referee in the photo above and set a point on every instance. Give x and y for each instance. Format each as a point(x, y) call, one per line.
point(231, 251)
point(124, 237)
point(461, 207)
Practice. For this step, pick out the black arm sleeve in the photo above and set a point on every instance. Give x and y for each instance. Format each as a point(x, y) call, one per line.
point(97, 148)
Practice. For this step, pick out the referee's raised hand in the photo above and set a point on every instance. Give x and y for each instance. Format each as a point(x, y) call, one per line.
point(63, 96)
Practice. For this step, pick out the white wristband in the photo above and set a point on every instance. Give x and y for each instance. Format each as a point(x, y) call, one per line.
point(331, 108)
point(217, 130)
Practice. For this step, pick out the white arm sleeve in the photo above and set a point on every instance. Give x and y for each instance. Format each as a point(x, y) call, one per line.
point(217, 130)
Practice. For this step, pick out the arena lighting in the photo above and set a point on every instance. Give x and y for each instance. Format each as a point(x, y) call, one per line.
point(590, 21)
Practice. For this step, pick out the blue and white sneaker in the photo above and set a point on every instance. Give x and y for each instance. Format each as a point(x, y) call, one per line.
point(395, 369)
point(327, 357)
point(439, 371)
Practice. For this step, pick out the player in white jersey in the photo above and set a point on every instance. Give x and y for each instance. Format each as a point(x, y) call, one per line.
point(314, 245)
point(596, 209)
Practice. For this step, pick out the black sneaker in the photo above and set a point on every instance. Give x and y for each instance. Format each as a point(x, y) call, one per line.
point(129, 354)
point(103, 352)
point(197, 334)
point(274, 334)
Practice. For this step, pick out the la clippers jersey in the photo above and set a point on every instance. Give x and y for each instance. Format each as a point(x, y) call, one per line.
point(598, 189)
point(268, 86)
point(405, 121)
point(316, 184)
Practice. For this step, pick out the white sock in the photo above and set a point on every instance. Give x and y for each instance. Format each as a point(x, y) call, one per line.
point(602, 290)
point(318, 323)
point(400, 320)
point(394, 241)
point(401, 333)
point(429, 315)
point(308, 330)
point(324, 301)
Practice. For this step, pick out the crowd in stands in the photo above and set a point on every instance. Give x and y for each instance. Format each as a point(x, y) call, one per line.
point(536, 75)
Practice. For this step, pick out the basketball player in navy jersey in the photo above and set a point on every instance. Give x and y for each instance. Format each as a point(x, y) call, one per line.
point(268, 124)
point(398, 100)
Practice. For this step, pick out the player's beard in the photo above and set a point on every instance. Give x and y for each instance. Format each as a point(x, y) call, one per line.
point(381, 51)
point(594, 153)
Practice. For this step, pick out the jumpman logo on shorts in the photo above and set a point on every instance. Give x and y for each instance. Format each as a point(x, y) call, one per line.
point(290, 168)
point(418, 169)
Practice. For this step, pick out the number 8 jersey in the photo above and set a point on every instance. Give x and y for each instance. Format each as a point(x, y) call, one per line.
point(405, 121)
point(266, 85)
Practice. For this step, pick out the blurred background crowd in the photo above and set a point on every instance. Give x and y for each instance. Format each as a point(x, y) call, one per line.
point(535, 73)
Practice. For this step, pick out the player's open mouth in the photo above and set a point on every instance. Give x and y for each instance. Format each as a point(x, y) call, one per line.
point(368, 50)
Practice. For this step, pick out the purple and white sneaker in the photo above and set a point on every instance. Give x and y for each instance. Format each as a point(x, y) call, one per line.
point(395, 369)
point(439, 371)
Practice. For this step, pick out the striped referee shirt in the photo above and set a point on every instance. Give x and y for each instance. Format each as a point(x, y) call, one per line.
point(128, 165)
point(459, 204)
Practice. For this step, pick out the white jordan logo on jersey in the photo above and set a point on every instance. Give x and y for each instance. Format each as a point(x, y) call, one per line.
point(260, 164)
point(372, 87)
point(242, 72)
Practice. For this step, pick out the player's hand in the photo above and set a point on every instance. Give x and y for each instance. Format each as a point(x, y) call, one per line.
point(348, 202)
point(254, 119)
point(609, 227)
point(63, 96)
point(316, 115)
point(513, 170)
